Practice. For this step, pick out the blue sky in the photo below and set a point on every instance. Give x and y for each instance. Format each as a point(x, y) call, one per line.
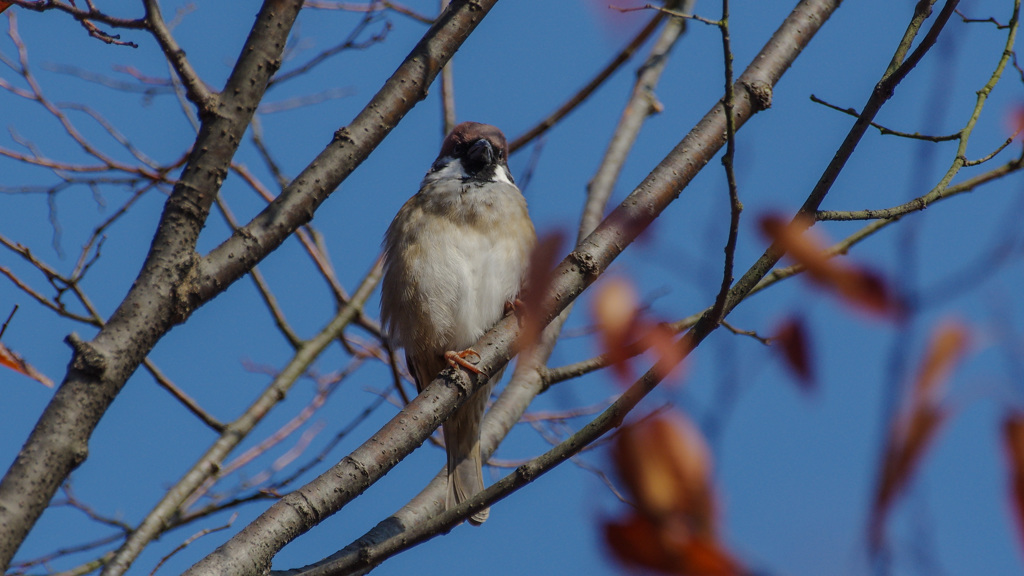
point(795, 473)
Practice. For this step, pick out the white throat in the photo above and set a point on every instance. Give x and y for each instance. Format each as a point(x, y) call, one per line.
point(453, 170)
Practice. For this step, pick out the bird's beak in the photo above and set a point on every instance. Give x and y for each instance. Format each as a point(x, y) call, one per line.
point(481, 154)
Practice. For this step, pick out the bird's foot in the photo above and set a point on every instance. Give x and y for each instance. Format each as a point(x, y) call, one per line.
point(518, 308)
point(513, 306)
point(456, 359)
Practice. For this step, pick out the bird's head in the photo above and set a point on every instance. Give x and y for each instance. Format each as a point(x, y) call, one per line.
point(473, 151)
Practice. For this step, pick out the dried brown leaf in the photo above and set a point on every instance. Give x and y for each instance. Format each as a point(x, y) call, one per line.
point(637, 541)
point(903, 453)
point(916, 424)
point(670, 354)
point(615, 310)
point(794, 343)
point(947, 347)
point(867, 290)
point(1013, 439)
point(539, 278)
point(862, 288)
point(666, 466)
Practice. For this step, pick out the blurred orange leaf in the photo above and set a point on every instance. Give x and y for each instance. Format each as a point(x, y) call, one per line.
point(615, 310)
point(666, 466)
point(1016, 121)
point(539, 277)
point(15, 362)
point(946, 348)
point(903, 452)
point(4, 5)
point(669, 351)
point(794, 343)
point(1013, 437)
point(624, 333)
point(640, 542)
point(858, 286)
point(916, 424)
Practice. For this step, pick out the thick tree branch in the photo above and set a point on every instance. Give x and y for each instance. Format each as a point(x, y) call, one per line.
point(171, 285)
point(642, 104)
point(252, 550)
point(530, 377)
point(210, 464)
point(100, 368)
point(351, 145)
point(442, 523)
point(897, 70)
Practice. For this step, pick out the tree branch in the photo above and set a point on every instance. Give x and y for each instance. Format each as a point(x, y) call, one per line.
point(252, 550)
point(585, 92)
point(351, 145)
point(100, 368)
point(210, 464)
point(530, 377)
point(897, 70)
point(195, 88)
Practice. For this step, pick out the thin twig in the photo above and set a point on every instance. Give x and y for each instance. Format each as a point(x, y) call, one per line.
point(728, 160)
point(990, 20)
point(8, 321)
point(86, 17)
point(669, 11)
point(192, 539)
point(21, 568)
point(753, 334)
point(888, 131)
point(196, 90)
point(448, 116)
point(261, 285)
point(181, 396)
point(373, 6)
point(206, 467)
point(349, 43)
point(993, 154)
point(585, 92)
point(844, 245)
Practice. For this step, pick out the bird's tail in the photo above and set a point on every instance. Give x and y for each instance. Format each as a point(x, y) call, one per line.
point(462, 441)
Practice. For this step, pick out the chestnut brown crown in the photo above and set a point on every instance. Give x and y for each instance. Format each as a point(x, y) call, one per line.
point(476, 145)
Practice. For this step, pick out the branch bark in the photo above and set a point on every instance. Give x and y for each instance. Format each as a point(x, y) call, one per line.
point(100, 368)
point(251, 551)
point(174, 280)
point(351, 145)
point(530, 377)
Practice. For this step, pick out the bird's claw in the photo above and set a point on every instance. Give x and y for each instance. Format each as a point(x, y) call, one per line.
point(511, 306)
point(516, 307)
point(456, 359)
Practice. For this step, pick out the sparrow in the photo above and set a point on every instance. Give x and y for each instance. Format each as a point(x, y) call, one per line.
point(455, 258)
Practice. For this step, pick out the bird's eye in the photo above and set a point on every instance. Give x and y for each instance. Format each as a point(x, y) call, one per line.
point(458, 149)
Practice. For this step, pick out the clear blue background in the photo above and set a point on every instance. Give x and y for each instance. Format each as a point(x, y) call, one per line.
point(795, 473)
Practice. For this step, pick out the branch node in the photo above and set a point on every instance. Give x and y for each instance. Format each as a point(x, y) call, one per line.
point(87, 358)
point(654, 105)
point(342, 135)
point(186, 292)
point(526, 472)
point(585, 261)
point(760, 93)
